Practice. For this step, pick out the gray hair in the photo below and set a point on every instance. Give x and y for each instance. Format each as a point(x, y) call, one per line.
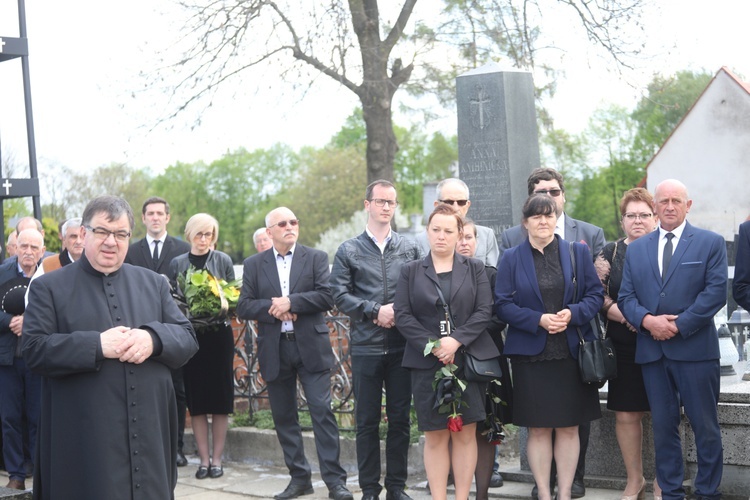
point(451, 180)
point(258, 232)
point(70, 223)
point(113, 207)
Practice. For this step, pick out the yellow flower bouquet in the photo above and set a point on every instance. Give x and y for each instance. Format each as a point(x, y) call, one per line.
point(207, 299)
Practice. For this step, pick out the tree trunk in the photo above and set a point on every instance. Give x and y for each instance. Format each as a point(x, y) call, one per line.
point(381, 140)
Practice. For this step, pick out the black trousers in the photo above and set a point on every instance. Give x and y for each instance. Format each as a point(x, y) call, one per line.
point(371, 374)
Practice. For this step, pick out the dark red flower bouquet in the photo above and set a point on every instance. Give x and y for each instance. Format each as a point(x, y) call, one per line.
point(448, 390)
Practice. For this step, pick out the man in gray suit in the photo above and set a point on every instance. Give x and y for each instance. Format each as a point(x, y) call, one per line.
point(549, 181)
point(286, 290)
point(455, 192)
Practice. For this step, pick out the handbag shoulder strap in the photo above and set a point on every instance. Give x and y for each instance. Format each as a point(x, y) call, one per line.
point(446, 307)
point(575, 285)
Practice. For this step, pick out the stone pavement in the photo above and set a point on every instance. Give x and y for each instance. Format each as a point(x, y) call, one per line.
point(259, 481)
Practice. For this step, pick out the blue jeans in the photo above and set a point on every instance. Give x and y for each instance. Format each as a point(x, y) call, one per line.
point(371, 374)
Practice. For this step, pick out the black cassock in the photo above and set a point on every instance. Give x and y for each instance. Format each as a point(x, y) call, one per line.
point(108, 430)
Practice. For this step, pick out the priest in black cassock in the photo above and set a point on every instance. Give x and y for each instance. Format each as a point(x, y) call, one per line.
point(104, 336)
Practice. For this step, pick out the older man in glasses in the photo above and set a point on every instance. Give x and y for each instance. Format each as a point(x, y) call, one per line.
point(455, 192)
point(286, 290)
point(549, 181)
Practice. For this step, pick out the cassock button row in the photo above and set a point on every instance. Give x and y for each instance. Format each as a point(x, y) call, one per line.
point(135, 436)
point(131, 371)
point(132, 387)
point(114, 306)
point(118, 318)
point(109, 283)
point(111, 294)
point(132, 404)
point(137, 485)
point(135, 452)
point(137, 469)
point(135, 419)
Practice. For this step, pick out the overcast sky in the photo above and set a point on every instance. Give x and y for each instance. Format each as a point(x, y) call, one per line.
point(85, 56)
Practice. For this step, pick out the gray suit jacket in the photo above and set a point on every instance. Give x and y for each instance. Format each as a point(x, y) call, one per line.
point(575, 230)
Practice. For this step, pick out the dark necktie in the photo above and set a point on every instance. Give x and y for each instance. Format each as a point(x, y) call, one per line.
point(156, 251)
point(666, 256)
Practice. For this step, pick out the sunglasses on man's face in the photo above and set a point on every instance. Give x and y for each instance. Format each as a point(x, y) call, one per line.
point(282, 223)
point(460, 203)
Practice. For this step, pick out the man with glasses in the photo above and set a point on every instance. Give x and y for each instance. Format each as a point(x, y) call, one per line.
point(549, 181)
point(105, 337)
point(363, 280)
point(156, 252)
point(455, 192)
point(286, 290)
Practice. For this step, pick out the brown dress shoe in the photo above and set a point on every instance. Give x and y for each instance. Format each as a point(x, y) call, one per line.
point(16, 484)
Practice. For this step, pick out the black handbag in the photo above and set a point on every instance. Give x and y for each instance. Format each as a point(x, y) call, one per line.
point(475, 370)
point(597, 361)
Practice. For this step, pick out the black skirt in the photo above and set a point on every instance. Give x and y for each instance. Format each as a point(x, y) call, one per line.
point(428, 419)
point(549, 393)
point(626, 392)
point(209, 377)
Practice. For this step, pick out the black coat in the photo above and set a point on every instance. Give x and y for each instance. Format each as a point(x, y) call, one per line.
point(418, 314)
point(107, 429)
point(139, 254)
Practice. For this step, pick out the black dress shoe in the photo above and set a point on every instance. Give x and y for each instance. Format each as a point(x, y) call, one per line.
point(181, 460)
point(294, 490)
point(339, 492)
point(370, 496)
point(496, 480)
point(397, 494)
point(202, 472)
point(16, 484)
point(214, 472)
point(578, 490)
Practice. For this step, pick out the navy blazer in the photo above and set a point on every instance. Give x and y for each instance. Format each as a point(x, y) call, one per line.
point(695, 289)
point(518, 300)
point(741, 283)
point(8, 339)
point(310, 298)
point(575, 230)
point(419, 310)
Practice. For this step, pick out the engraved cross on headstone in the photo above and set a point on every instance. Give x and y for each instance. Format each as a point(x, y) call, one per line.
point(7, 185)
point(2, 44)
point(478, 108)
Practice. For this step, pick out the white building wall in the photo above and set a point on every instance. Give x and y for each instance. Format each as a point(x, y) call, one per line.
point(710, 153)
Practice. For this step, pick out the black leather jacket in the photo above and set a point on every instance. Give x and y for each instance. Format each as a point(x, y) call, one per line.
point(362, 279)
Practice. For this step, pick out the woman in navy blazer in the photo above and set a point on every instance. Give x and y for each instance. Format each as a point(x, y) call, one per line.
point(534, 296)
point(418, 307)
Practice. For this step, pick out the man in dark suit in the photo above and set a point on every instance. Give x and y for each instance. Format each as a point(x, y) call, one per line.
point(673, 283)
point(741, 283)
point(549, 181)
point(157, 249)
point(156, 252)
point(286, 290)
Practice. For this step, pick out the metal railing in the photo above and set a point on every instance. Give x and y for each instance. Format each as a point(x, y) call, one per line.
point(248, 381)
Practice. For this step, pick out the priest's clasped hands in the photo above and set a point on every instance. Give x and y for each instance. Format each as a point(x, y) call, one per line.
point(129, 345)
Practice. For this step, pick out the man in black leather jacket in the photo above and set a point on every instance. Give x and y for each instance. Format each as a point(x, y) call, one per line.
point(363, 281)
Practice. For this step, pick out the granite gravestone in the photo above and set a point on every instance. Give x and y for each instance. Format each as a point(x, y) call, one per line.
point(498, 146)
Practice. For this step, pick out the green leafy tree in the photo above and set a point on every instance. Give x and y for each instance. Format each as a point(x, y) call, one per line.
point(656, 115)
point(330, 187)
